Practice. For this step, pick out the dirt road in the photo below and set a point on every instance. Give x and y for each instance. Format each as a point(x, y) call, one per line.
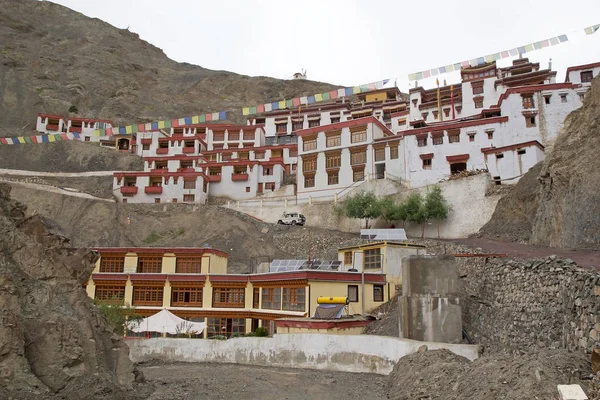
point(585, 258)
point(182, 381)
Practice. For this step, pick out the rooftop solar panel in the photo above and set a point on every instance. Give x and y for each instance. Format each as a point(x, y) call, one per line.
point(383, 234)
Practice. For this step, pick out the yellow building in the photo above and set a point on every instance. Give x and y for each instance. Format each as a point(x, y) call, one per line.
point(193, 283)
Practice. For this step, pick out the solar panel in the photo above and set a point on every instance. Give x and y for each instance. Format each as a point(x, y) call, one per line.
point(383, 234)
point(295, 265)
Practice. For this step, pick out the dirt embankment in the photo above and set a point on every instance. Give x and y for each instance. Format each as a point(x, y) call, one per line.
point(71, 156)
point(558, 203)
point(248, 241)
point(110, 73)
point(52, 339)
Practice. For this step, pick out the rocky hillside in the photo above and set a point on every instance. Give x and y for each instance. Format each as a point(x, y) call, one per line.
point(52, 339)
point(53, 58)
point(558, 203)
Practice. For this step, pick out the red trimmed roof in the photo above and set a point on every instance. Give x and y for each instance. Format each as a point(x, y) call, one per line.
point(316, 324)
point(313, 275)
point(160, 250)
point(579, 68)
point(516, 146)
point(533, 88)
point(50, 116)
point(451, 125)
point(345, 124)
point(186, 277)
point(229, 278)
point(90, 120)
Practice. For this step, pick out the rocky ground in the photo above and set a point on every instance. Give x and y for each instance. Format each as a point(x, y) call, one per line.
point(184, 381)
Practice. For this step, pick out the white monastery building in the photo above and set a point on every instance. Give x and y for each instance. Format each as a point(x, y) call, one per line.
point(496, 119)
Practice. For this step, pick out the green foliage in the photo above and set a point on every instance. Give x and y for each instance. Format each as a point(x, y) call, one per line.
point(152, 238)
point(73, 109)
point(363, 205)
point(415, 208)
point(219, 337)
point(116, 314)
point(391, 211)
point(435, 204)
point(261, 331)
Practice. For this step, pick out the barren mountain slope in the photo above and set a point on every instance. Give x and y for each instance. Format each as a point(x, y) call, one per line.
point(52, 58)
point(52, 339)
point(569, 212)
point(98, 223)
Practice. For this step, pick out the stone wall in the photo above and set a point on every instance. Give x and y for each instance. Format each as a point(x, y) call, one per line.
point(547, 302)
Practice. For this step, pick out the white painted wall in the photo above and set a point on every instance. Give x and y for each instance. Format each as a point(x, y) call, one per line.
point(170, 191)
point(348, 353)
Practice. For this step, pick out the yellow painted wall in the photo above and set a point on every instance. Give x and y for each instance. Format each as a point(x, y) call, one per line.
point(97, 266)
point(91, 289)
point(131, 260)
point(207, 295)
point(376, 97)
point(218, 264)
point(128, 293)
point(169, 262)
point(167, 295)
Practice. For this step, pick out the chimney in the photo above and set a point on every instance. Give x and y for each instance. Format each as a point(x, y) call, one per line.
point(550, 64)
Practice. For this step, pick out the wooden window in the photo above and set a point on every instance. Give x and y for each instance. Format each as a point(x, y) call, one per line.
point(334, 140)
point(144, 146)
point(380, 154)
point(358, 176)
point(114, 294)
point(157, 200)
point(422, 141)
point(353, 293)
point(521, 151)
point(271, 298)
point(499, 155)
point(372, 259)
point(335, 120)
point(233, 136)
point(478, 102)
point(309, 181)
point(309, 165)
point(377, 292)
point(112, 263)
point(297, 125)
point(124, 200)
point(471, 136)
point(247, 189)
point(188, 265)
point(149, 264)
point(259, 155)
point(294, 299)
point(358, 158)
point(248, 135)
point(347, 258)
point(240, 170)
point(219, 136)
point(294, 152)
point(224, 297)
point(490, 134)
point(530, 121)
point(563, 98)
point(333, 160)
point(394, 152)
point(437, 140)
point(453, 137)
point(189, 184)
point(256, 298)
point(528, 102)
point(309, 145)
point(227, 327)
point(189, 198)
point(586, 76)
point(267, 171)
point(186, 296)
point(427, 163)
point(358, 137)
point(281, 128)
point(333, 177)
point(147, 295)
point(477, 87)
point(313, 123)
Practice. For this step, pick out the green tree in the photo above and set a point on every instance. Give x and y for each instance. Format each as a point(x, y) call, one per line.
point(436, 206)
point(363, 205)
point(116, 314)
point(415, 211)
point(392, 211)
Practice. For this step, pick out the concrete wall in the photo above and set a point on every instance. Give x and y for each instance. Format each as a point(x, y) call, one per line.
point(430, 305)
point(471, 208)
point(349, 353)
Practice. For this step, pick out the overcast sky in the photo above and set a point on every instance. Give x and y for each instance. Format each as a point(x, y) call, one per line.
point(351, 42)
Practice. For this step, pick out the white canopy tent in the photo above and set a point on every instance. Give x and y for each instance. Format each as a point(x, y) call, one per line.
point(167, 322)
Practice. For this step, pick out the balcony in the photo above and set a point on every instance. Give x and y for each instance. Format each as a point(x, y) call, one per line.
point(213, 178)
point(239, 177)
point(129, 190)
point(188, 150)
point(162, 150)
point(159, 171)
point(153, 190)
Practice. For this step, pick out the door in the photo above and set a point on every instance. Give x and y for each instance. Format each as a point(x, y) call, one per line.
point(260, 188)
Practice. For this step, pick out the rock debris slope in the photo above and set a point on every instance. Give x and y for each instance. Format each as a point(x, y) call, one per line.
point(52, 339)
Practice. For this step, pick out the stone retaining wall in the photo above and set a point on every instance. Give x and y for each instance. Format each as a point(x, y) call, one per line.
point(547, 302)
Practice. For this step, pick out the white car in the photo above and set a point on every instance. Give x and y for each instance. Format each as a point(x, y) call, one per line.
point(291, 218)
